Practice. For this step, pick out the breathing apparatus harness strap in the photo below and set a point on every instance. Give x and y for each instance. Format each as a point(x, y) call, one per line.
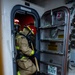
point(28, 39)
point(19, 52)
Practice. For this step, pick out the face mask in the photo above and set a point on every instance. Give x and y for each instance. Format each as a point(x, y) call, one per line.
point(16, 28)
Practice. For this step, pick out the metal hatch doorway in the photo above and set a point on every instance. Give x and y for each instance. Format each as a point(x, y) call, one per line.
point(25, 15)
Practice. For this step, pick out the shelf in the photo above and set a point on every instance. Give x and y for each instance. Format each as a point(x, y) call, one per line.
point(52, 64)
point(49, 27)
point(53, 40)
point(52, 52)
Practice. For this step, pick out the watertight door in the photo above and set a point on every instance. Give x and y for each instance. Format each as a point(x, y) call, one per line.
point(54, 33)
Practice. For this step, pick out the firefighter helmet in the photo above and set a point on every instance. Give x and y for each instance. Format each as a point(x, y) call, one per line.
point(16, 25)
point(16, 21)
point(32, 28)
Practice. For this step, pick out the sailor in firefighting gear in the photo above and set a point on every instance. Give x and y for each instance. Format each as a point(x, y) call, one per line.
point(25, 65)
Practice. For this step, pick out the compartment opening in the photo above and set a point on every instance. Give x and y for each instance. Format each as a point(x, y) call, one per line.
point(24, 20)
